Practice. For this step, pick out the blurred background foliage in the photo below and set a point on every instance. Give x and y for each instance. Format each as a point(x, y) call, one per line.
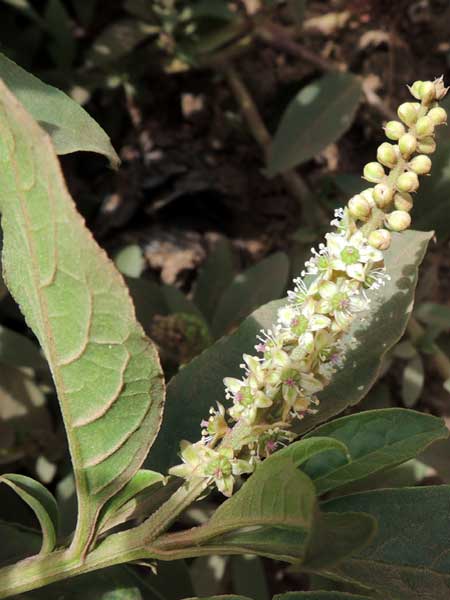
point(241, 125)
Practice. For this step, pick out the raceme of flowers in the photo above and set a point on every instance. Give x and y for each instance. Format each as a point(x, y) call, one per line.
point(296, 359)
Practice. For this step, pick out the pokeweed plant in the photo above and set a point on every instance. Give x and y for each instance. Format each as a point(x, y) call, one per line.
point(320, 355)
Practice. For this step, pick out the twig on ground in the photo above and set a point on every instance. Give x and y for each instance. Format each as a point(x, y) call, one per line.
point(277, 37)
point(293, 181)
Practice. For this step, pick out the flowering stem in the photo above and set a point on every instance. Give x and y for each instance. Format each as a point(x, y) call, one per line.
point(297, 358)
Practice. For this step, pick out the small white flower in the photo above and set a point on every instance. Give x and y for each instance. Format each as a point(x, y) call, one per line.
point(286, 315)
point(351, 255)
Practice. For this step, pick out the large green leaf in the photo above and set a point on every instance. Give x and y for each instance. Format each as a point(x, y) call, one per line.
point(318, 115)
point(376, 440)
point(372, 335)
point(41, 502)
point(257, 285)
point(409, 557)
point(199, 384)
point(106, 372)
point(69, 125)
point(143, 480)
point(333, 537)
point(336, 536)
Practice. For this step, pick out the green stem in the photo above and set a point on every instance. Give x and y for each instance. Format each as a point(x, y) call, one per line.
point(38, 571)
point(127, 546)
point(161, 520)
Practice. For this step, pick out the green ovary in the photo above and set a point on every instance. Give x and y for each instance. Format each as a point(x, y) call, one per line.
point(350, 255)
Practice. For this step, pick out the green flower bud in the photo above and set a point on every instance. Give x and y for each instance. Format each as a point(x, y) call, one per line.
point(424, 127)
point(407, 144)
point(382, 194)
point(380, 239)
point(420, 164)
point(387, 155)
point(403, 201)
point(394, 130)
point(359, 208)
point(373, 172)
point(408, 182)
point(427, 92)
point(398, 220)
point(415, 89)
point(426, 145)
point(408, 112)
point(438, 115)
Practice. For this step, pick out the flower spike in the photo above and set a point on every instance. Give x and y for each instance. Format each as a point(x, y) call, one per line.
point(297, 358)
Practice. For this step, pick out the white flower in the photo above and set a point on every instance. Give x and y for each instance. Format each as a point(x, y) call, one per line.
point(351, 255)
point(286, 315)
point(341, 301)
point(195, 457)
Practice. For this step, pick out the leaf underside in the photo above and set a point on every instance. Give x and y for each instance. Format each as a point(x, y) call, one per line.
point(107, 373)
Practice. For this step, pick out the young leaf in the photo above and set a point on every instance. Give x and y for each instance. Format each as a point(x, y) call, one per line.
point(24, 6)
point(271, 515)
point(199, 384)
point(106, 372)
point(18, 542)
point(143, 480)
point(118, 40)
point(278, 543)
point(437, 315)
point(17, 350)
point(227, 597)
point(304, 450)
point(130, 261)
point(320, 595)
point(42, 503)
point(62, 46)
point(263, 282)
point(412, 381)
point(276, 495)
point(71, 128)
point(376, 440)
point(408, 558)
point(215, 276)
point(177, 302)
point(319, 114)
point(249, 577)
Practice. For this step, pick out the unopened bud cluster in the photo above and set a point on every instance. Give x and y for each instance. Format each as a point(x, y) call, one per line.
point(296, 359)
